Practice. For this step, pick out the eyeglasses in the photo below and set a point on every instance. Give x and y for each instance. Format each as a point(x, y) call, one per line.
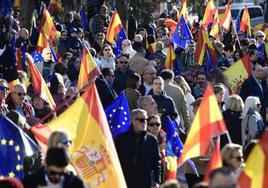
point(66, 142)
point(20, 94)
point(142, 120)
point(55, 173)
point(259, 105)
point(107, 49)
point(261, 36)
point(123, 62)
point(238, 158)
point(154, 124)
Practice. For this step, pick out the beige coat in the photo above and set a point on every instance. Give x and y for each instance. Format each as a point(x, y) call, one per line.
point(137, 63)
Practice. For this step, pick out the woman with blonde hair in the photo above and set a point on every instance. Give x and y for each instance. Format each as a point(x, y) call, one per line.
point(232, 157)
point(233, 109)
point(181, 82)
point(252, 121)
point(59, 139)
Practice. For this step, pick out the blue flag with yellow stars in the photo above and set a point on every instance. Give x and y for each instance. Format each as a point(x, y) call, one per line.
point(118, 115)
point(182, 34)
point(14, 145)
point(121, 36)
point(37, 57)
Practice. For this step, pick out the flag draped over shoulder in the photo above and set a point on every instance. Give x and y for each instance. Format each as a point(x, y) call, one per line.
point(93, 152)
point(182, 35)
point(245, 22)
point(39, 84)
point(203, 44)
point(237, 73)
point(114, 27)
point(227, 18)
point(173, 151)
point(88, 69)
point(14, 146)
point(209, 13)
point(170, 58)
point(215, 160)
point(118, 115)
point(208, 123)
point(255, 174)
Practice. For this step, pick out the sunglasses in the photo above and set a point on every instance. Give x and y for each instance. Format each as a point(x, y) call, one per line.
point(142, 120)
point(55, 173)
point(107, 49)
point(154, 124)
point(66, 142)
point(258, 105)
point(20, 94)
point(261, 36)
point(238, 158)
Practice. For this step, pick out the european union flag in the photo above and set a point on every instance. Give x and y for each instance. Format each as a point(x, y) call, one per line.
point(84, 21)
point(5, 7)
point(237, 24)
point(37, 57)
point(174, 143)
point(209, 63)
point(54, 57)
point(121, 36)
point(118, 115)
point(182, 35)
point(14, 145)
point(262, 52)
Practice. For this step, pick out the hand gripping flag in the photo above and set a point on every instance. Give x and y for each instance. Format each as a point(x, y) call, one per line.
point(208, 123)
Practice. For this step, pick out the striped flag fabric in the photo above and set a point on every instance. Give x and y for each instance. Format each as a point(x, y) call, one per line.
point(237, 73)
point(183, 9)
point(227, 18)
point(245, 22)
point(88, 69)
point(55, 5)
point(93, 152)
point(39, 84)
point(215, 29)
point(114, 27)
point(256, 171)
point(215, 160)
point(170, 58)
point(209, 13)
point(208, 123)
point(21, 59)
point(203, 43)
point(47, 27)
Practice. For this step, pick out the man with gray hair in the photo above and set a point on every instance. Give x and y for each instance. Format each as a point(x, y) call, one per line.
point(139, 154)
point(147, 80)
point(127, 48)
point(148, 104)
point(159, 55)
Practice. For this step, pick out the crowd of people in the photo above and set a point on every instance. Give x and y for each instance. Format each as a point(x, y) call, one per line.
point(153, 92)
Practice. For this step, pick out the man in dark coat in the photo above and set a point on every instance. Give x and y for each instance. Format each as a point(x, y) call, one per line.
point(139, 154)
point(54, 173)
point(105, 86)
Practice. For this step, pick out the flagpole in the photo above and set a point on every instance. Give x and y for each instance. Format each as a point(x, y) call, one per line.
point(228, 137)
point(236, 34)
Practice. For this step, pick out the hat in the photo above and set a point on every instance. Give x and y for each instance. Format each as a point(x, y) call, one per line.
point(73, 30)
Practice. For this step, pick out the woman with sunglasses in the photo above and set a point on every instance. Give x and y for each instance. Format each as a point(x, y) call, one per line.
point(232, 157)
point(252, 122)
point(106, 57)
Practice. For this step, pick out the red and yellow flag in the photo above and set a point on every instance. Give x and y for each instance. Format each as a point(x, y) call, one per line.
point(183, 9)
point(88, 69)
point(114, 27)
point(203, 42)
point(227, 18)
point(39, 84)
point(209, 13)
point(55, 5)
point(47, 27)
point(171, 24)
point(245, 22)
point(42, 43)
point(255, 174)
point(215, 30)
point(170, 58)
point(93, 152)
point(215, 161)
point(208, 123)
point(237, 73)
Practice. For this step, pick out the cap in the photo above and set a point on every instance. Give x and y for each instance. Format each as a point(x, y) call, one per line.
point(73, 30)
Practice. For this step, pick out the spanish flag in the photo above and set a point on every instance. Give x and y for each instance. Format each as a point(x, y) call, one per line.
point(227, 18)
point(42, 43)
point(55, 5)
point(255, 174)
point(114, 27)
point(171, 24)
point(170, 58)
point(39, 84)
point(237, 73)
point(183, 9)
point(215, 30)
point(92, 151)
point(203, 44)
point(88, 69)
point(47, 27)
point(245, 22)
point(209, 13)
point(208, 123)
point(215, 161)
